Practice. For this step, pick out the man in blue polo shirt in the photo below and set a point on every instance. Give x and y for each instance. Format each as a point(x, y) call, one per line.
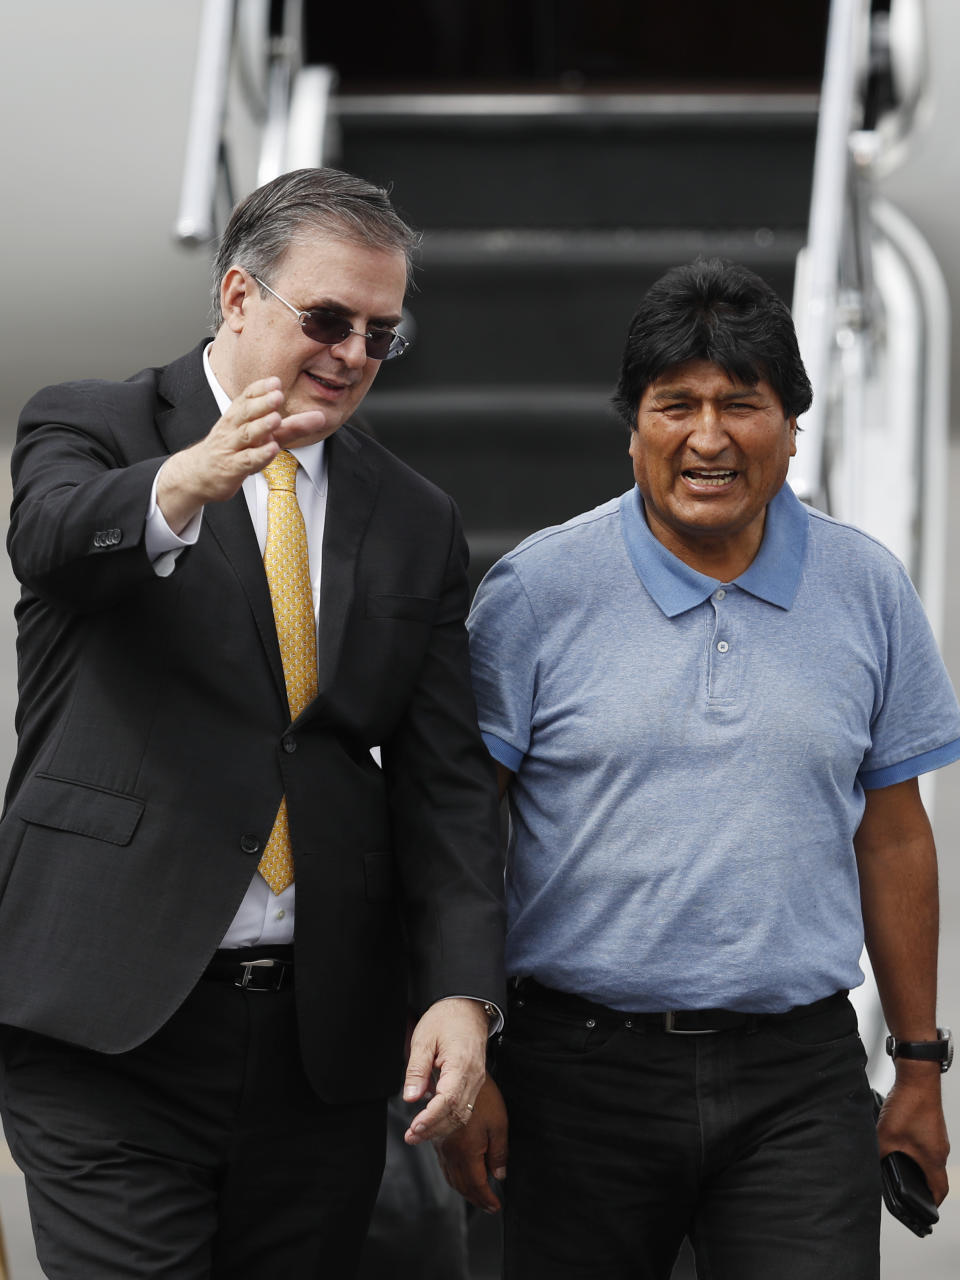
point(710, 706)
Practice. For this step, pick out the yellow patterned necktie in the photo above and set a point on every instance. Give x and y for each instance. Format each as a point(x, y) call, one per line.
point(287, 565)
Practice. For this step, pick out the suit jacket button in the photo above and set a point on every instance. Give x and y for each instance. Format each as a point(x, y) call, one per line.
point(249, 844)
point(289, 744)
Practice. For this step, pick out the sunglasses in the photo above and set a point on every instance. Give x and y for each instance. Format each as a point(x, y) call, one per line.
point(329, 329)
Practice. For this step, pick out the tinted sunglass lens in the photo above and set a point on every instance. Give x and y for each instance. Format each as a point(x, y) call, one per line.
point(379, 344)
point(324, 328)
point(330, 330)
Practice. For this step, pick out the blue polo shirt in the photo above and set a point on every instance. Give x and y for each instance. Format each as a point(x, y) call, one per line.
point(691, 756)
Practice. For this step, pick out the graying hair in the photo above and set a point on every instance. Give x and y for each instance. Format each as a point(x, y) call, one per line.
point(264, 225)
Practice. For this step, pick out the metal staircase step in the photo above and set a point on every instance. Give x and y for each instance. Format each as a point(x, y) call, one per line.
point(443, 413)
point(597, 110)
point(513, 307)
point(642, 160)
point(574, 249)
point(516, 459)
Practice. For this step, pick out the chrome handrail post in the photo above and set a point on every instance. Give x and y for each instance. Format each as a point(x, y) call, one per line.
point(815, 297)
point(195, 218)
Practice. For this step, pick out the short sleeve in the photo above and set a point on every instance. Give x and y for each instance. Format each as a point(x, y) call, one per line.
point(917, 725)
point(504, 658)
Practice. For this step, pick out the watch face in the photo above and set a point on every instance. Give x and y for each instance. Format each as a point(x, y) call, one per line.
point(945, 1034)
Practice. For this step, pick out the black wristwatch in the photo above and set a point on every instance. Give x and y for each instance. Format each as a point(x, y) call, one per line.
point(939, 1050)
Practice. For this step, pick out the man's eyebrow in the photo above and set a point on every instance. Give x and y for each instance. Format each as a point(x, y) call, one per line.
point(681, 392)
point(668, 393)
point(676, 392)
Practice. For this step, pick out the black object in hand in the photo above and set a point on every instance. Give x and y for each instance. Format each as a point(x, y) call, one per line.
point(905, 1190)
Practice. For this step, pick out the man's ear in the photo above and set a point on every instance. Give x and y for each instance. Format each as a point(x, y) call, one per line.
point(792, 424)
point(234, 292)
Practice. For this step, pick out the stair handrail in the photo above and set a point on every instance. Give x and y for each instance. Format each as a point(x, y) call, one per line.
point(195, 217)
point(846, 309)
point(285, 57)
point(864, 37)
point(818, 271)
point(288, 103)
point(898, 53)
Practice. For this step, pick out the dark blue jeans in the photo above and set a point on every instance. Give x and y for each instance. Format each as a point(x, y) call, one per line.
point(757, 1142)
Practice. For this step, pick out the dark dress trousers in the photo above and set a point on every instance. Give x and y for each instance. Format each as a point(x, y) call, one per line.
point(155, 744)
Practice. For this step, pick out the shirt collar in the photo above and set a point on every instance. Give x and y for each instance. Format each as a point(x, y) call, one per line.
point(310, 456)
point(773, 576)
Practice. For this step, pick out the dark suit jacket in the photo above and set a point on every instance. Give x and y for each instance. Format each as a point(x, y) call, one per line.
point(155, 744)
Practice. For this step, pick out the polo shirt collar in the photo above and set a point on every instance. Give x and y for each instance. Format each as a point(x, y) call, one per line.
point(773, 576)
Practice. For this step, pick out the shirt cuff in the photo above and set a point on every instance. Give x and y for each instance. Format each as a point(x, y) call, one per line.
point(494, 1011)
point(502, 752)
point(874, 779)
point(161, 543)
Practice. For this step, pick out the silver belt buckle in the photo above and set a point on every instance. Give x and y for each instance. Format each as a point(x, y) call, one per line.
point(248, 968)
point(668, 1025)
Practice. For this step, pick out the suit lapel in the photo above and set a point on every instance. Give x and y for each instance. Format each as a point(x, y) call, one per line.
point(190, 412)
point(188, 409)
point(231, 526)
point(352, 483)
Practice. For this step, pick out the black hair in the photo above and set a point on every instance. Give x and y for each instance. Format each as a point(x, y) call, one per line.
point(715, 310)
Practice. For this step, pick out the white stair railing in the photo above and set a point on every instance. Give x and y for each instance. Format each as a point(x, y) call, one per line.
point(872, 316)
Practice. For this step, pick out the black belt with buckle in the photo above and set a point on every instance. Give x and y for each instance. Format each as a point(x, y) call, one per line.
point(689, 1022)
point(253, 968)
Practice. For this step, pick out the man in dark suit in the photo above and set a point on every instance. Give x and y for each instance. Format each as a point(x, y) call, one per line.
point(190, 1089)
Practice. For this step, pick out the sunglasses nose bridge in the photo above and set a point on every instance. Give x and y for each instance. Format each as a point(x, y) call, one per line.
point(352, 347)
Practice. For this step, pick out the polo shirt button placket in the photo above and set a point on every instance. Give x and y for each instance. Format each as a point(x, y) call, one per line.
point(723, 659)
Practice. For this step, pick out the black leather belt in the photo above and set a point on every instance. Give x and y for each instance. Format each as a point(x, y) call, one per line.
point(252, 968)
point(690, 1022)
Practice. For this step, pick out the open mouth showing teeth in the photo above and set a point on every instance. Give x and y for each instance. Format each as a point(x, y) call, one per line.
point(716, 478)
point(323, 382)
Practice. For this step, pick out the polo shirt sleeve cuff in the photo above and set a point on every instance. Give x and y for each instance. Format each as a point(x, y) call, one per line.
point(873, 779)
point(502, 752)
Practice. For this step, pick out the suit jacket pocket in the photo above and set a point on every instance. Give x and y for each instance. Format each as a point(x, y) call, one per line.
point(380, 877)
point(79, 807)
point(405, 608)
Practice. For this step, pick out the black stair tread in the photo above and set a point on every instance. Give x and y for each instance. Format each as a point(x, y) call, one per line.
point(447, 409)
point(714, 178)
point(573, 248)
point(587, 160)
point(497, 112)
